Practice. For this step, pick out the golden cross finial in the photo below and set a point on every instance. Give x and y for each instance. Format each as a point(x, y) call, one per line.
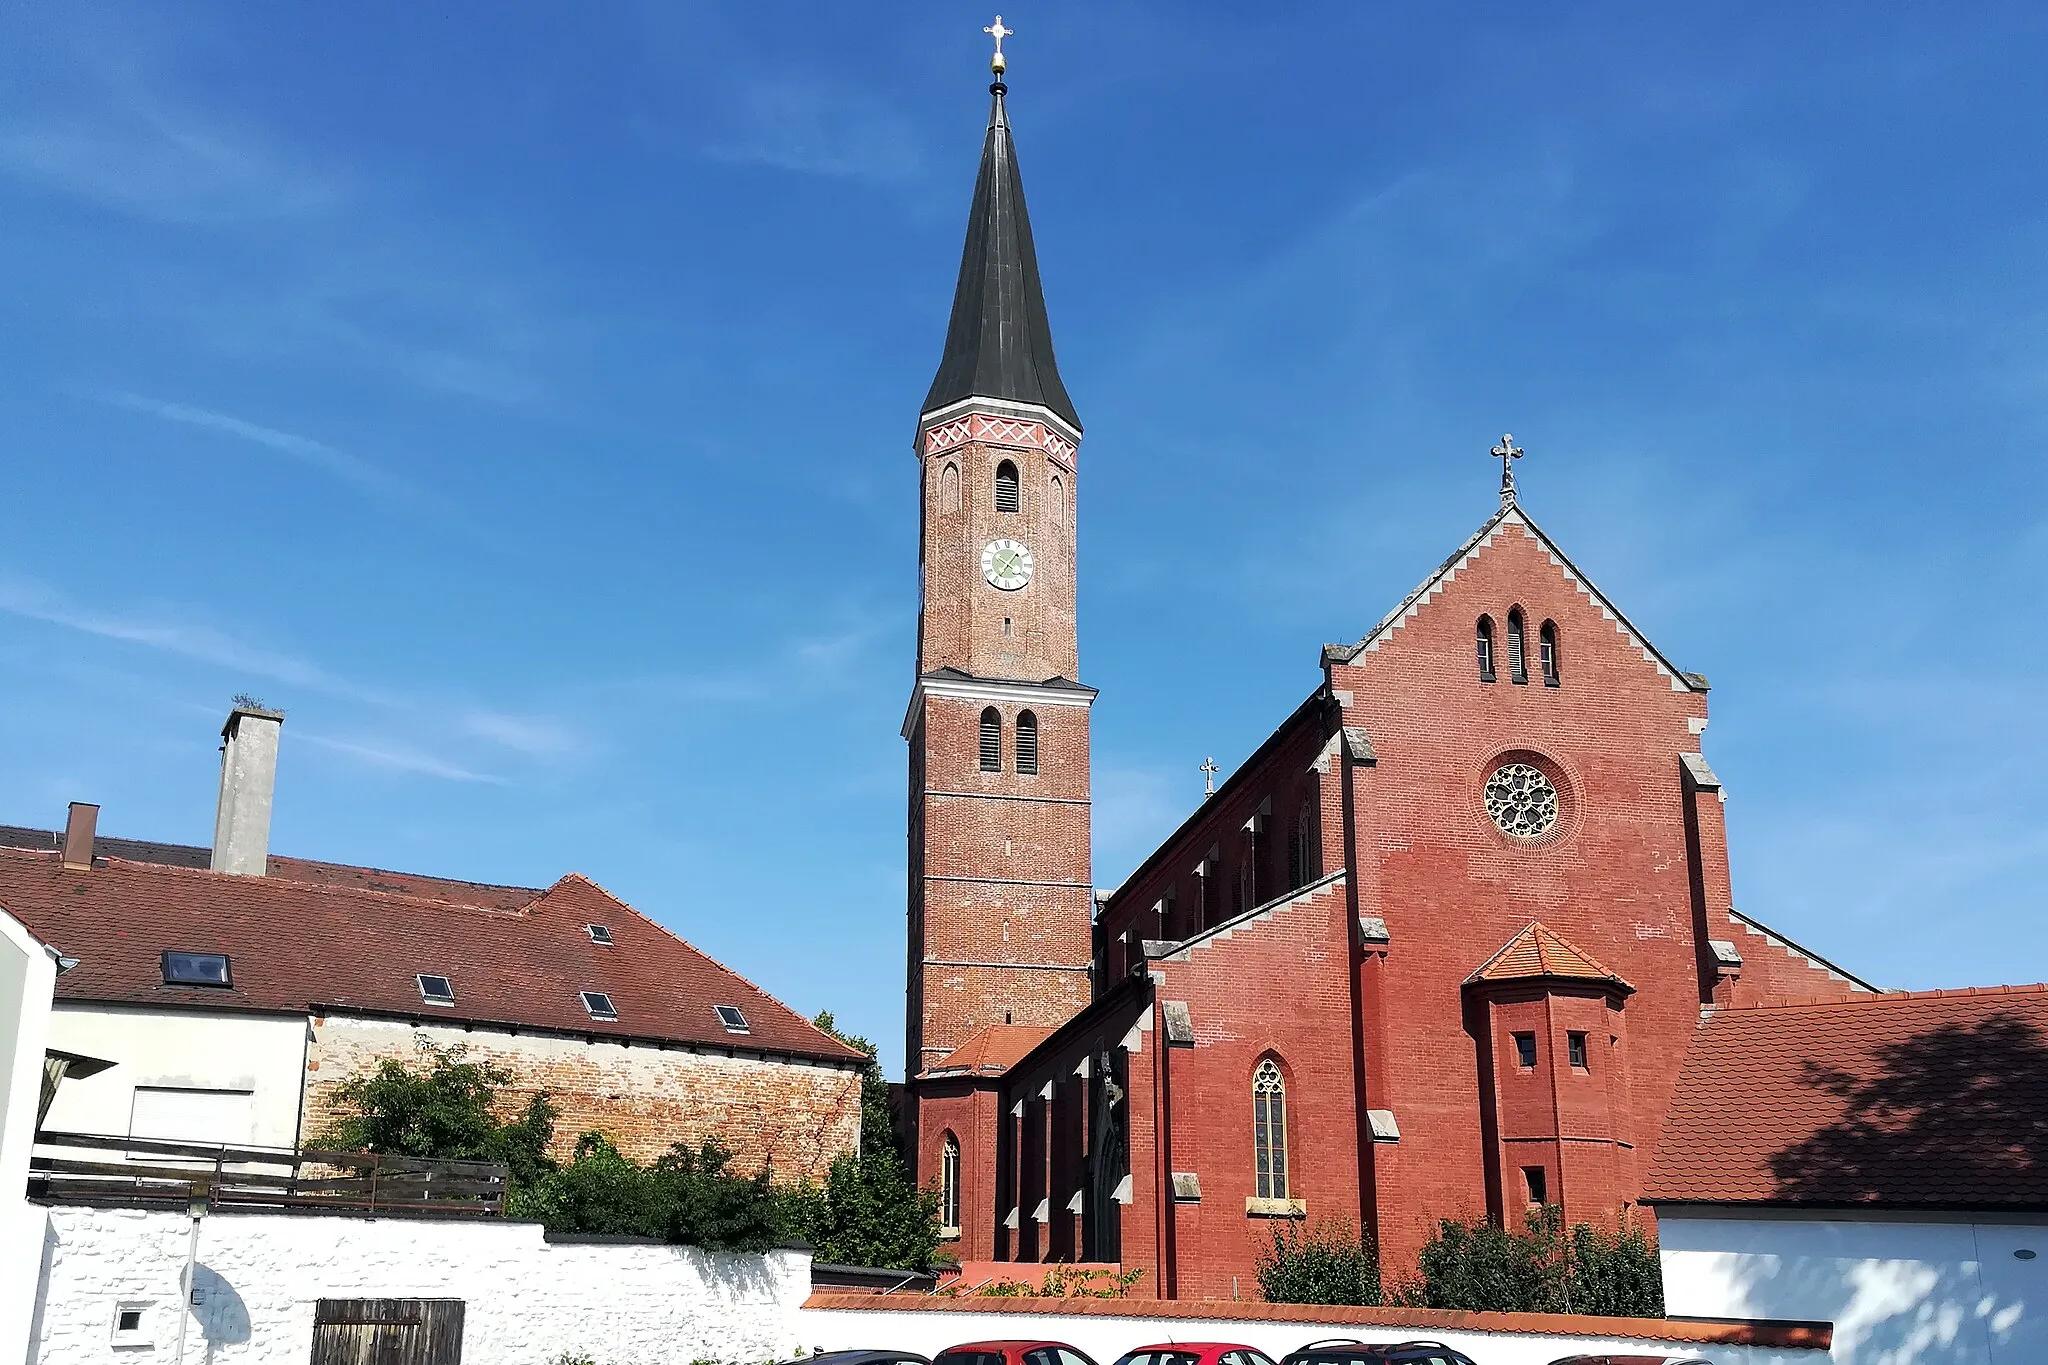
point(1507, 452)
point(998, 32)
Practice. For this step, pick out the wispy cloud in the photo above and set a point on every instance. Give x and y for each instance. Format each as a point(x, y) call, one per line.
point(533, 736)
point(350, 469)
point(397, 758)
point(796, 126)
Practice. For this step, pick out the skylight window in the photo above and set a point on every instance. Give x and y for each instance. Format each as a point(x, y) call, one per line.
point(436, 990)
point(197, 969)
point(599, 935)
point(730, 1016)
point(599, 1005)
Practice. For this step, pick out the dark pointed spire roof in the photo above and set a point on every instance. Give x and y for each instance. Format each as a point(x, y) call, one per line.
point(999, 344)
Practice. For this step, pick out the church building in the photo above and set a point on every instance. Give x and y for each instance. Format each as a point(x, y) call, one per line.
point(1436, 949)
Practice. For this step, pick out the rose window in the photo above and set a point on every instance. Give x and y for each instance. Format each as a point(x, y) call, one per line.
point(1521, 800)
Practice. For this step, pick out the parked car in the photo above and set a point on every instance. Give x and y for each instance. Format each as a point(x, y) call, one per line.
point(1632, 1360)
point(1195, 1353)
point(1012, 1353)
point(863, 1358)
point(1338, 1351)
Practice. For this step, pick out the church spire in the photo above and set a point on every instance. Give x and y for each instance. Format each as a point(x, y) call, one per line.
point(999, 343)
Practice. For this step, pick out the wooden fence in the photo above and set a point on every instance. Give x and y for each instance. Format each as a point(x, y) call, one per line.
point(86, 1168)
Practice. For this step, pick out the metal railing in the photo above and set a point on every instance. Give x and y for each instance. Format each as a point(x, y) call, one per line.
point(74, 1168)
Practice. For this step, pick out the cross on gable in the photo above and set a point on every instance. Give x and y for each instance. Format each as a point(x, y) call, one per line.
point(1507, 452)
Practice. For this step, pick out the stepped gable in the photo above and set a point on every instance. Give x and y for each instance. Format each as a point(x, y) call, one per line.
point(298, 946)
point(1931, 1099)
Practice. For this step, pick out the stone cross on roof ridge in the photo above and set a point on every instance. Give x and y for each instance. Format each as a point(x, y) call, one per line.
point(1507, 452)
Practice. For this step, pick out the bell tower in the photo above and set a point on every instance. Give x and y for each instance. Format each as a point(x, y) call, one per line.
point(1000, 896)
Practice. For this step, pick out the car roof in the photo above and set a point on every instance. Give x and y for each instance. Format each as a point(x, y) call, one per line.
point(1022, 1344)
point(1194, 1346)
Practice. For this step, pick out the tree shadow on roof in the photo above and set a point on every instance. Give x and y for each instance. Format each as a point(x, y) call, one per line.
point(1954, 1115)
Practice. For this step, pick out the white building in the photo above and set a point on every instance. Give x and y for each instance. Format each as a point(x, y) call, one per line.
point(1879, 1163)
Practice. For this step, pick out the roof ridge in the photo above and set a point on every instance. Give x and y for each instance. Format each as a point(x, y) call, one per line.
point(322, 888)
point(2031, 988)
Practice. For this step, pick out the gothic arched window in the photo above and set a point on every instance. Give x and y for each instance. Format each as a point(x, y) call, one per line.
point(949, 1187)
point(991, 740)
point(1546, 643)
point(1486, 649)
point(1059, 504)
point(1301, 859)
point(1027, 742)
point(1518, 659)
point(1269, 1130)
point(949, 488)
point(1006, 487)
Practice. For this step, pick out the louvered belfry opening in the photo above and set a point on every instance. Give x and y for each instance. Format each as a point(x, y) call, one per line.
point(1027, 742)
point(1518, 659)
point(991, 741)
point(1006, 488)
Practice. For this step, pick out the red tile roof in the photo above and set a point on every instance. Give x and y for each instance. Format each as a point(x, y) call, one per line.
point(1932, 1099)
point(1539, 951)
point(990, 1051)
point(328, 937)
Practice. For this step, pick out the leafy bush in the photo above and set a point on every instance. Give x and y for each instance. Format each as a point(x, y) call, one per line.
point(448, 1110)
point(1544, 1269)
point(1061, 1282)
point(687, 1195)
point(1330, 1263)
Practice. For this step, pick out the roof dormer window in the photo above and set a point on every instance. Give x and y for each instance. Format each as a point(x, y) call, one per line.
point(197, 969)
point(599, 935)
point(730, 1016)
point(599, 1006)
point(436, 990)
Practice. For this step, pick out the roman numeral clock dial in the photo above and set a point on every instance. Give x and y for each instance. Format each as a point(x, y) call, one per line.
point(1006, 564)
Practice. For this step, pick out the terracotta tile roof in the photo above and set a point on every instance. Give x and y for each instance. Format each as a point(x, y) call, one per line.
point(1539, 951)
point(335, 942)
point(1909, 1099)
point(991, 1051)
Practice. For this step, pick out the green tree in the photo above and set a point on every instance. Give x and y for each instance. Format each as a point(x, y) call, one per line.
point(1330, 1263)
point(1543, 1269)
point(450, 1109)
point(687, 1195)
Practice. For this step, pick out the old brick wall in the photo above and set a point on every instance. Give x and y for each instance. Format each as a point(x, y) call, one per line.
point(794, 1117)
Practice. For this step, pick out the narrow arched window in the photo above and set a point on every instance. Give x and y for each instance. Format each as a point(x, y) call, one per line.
point(949, 488)
point(1302, 856)
point(1546, 643)
point(1486, 649)
point(1518, 659)
point(1027, 742)
point(1006, 487)
point(1269, 1130)
point(949, 1187)
point(991, 740)
point(1059, 504)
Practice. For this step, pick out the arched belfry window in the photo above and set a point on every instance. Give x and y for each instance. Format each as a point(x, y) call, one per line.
point(1027, 742)
point(991, 740)
point(1006, 487)
point(1518, 659)
point(1546, 642)
point(1269, 1130)
point(1486, 649)
point(949, 1186)
point(949, 488)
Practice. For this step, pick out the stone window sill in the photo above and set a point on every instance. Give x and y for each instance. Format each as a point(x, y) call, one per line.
point(949, 1234)
point(1276, 1208)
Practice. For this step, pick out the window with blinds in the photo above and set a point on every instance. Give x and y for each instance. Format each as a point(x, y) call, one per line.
point(1518, 659)
point(1006, 488)
point(1027, 742)
point(991, 741)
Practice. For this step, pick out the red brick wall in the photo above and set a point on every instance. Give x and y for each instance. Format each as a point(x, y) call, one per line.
point(795, 1118)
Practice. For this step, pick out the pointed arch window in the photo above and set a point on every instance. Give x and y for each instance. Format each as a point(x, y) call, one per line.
point(1301, 854)
point(1269, 1129)
point(1546, 645)
point(1518, 659)
point(1027, 743)
point(1007, 499)
point(1059, 504)
point(1486, 649)
point(949, 488)
point(991, 740)
point(949, 1188)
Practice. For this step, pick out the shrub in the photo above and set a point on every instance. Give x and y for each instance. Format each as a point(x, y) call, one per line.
point(1330, 1263)
point(447, 1110)
point(1544, 1269)
point(687, 1196)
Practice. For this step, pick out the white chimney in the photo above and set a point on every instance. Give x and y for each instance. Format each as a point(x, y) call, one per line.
point(248, 777)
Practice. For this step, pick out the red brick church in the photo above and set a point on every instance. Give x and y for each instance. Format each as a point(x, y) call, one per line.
point(1437, 948)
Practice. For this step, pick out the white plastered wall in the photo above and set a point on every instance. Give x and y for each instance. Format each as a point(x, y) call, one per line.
point(27, 977)
point(1926, 1292)
point(527, 1301)
point(219, 1051)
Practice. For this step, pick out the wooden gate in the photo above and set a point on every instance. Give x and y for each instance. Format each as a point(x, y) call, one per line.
point(387, 1332)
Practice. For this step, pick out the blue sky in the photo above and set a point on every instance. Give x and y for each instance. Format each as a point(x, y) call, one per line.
point(522, 399)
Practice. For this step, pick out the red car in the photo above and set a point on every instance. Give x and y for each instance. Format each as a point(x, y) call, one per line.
point(1011, 1353)
point(1196, 1353)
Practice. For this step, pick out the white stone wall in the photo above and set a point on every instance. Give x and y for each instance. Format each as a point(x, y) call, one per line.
point(528, 1301)
point(182, 1049)
point(27, 977)
point(1103, 1337)
point(1898, 1292)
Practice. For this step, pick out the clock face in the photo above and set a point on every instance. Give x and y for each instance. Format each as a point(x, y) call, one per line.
point(1006, 564)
